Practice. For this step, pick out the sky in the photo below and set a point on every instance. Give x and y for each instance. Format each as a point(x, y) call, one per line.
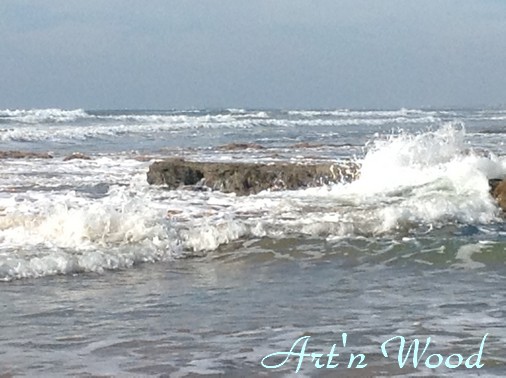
point(288, 54)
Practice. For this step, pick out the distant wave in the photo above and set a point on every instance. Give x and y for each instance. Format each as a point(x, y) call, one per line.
point(33, 116)
point(40, 116)
point(346, 113)
point(60, 125)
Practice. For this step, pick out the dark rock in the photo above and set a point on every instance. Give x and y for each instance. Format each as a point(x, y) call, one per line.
point(247, 178)
point(173, 213)
point(76, 155)
point(493, 184)
point(241, 146)
point(24, 155)
point(307, 145)
point(318, 145)
point(498, 191)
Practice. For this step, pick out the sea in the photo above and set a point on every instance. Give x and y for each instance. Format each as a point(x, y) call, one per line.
point(401, 272)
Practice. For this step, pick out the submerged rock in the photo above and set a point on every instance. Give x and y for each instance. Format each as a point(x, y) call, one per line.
point(498, 191)
point(306, 145)
point(247, 178)
point(24, 155)
point(76, 155)
point(241, 146)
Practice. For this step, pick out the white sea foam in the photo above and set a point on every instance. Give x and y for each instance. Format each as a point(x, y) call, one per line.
point(61, 233)
point(407, 182)
point(33, 116)
point(464, 256)
point(431, 177)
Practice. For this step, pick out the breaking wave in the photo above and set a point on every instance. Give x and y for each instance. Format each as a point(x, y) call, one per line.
point(35, 116)
point(409, 183)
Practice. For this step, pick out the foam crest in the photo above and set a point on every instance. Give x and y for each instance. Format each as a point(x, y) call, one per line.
point(209, 236)
point(33, 116)
point(407, 159)
point(71, 221)
point(68, 233)
point(428, 178)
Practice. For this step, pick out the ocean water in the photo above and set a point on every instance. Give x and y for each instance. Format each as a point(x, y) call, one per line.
point(104, 275)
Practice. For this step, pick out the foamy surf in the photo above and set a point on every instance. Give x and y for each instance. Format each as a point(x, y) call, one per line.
point(433, 177)
point(35, 116)
point(61, 217)
point(107, 275)
point(69, 233)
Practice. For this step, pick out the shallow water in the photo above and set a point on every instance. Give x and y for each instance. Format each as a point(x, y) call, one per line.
point(105, 275)
point(222, 313)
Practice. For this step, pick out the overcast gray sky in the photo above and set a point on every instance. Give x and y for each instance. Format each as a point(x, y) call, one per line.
point(164, 54)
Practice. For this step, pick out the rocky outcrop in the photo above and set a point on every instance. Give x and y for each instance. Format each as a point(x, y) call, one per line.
point(76, 155)
point(498, 191)
point(251, 178)
point(247, 178)
point(24, 155)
